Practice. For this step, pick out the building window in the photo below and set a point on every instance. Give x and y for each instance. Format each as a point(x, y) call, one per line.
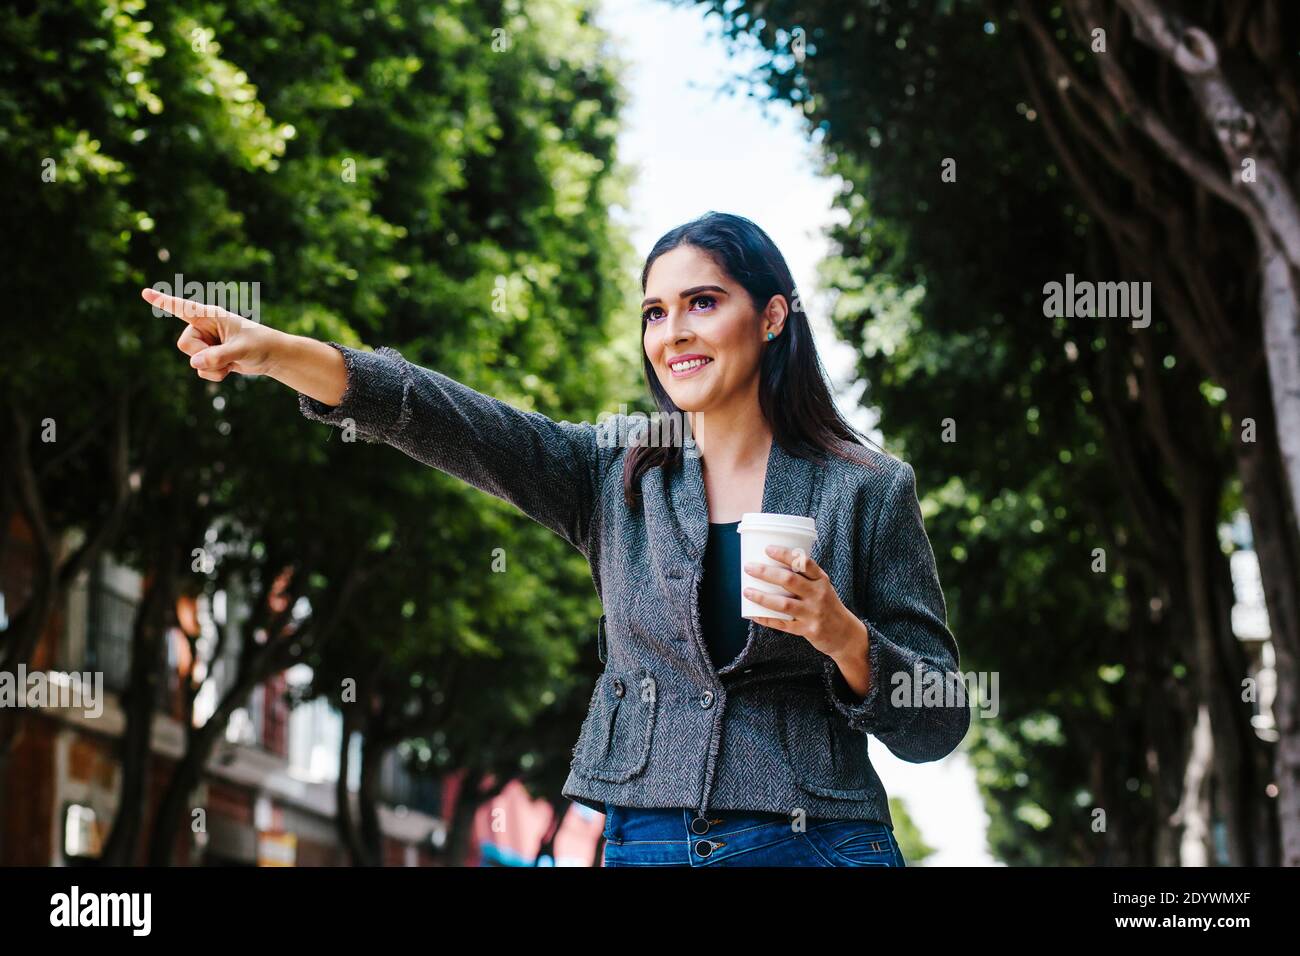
point(110, 617)
point(83, 834)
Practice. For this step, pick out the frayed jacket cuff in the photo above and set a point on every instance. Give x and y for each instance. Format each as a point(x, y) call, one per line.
point(868, 714)
point(916, 731)
point(376, 398)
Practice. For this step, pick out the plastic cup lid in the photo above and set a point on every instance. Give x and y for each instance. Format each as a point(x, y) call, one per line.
point(765, 521)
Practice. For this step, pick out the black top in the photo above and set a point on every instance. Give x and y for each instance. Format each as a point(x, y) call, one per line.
point(725, 631)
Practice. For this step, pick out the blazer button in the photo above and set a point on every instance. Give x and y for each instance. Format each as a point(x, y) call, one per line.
point(618, 687)
point(706, 699)
point(675, 573)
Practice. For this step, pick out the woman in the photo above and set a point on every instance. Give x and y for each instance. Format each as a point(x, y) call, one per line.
point(710, 739)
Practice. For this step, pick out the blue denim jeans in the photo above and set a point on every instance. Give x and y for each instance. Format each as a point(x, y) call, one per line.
point(659, 837)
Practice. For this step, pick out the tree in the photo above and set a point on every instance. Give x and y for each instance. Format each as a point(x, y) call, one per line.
point(1035, 432)
point(397, 175)
point(1139, 156)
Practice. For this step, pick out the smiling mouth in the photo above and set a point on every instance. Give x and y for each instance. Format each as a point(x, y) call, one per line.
point(684, 369)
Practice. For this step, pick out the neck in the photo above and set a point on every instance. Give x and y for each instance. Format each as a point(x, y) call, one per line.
point(732, 437)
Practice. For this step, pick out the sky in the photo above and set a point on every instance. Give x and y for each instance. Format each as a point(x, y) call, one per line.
point(697, 147)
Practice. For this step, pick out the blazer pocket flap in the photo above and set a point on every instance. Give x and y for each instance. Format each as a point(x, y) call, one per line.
point(614, 744)
point(825, 755)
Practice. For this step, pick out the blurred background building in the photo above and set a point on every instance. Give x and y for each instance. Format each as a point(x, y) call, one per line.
point(269, 789)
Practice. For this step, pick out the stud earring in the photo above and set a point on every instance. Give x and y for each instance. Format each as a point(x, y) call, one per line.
point(771, 336)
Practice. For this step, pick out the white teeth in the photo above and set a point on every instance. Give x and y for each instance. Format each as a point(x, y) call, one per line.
point(686, 366)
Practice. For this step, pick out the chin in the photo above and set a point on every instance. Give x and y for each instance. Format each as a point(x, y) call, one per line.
point(690, 403)
point(686, 405)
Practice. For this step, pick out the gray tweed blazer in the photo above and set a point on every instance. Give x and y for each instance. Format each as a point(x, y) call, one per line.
point(777, 729)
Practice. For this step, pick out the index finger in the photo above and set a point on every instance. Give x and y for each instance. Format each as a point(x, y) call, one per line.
point(796, 559)
point(780, 575)
point(185, 309)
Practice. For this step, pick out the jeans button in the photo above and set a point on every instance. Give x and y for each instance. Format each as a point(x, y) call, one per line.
point(703, 847)
point(699, 826)
point(706, 699)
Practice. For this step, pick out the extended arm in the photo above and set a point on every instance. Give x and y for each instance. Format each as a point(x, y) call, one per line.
point(552, 471)
point(549, 470)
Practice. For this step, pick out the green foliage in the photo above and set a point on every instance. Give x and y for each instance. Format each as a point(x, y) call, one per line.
point(939, 285)
point(389, 174)
point(915, 850)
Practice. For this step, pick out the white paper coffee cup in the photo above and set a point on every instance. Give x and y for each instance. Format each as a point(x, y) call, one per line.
point(758, 530)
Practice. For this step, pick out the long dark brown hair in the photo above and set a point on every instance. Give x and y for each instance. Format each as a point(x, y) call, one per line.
point(793, 390)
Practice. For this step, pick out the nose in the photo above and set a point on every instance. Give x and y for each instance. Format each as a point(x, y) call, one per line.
point(678, 326)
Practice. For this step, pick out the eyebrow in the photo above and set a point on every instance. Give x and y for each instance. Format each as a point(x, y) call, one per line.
point(686, 293)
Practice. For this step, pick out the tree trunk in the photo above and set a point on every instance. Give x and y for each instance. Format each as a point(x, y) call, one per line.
point(1278, 550)
point(185, 779)
point(139, 700)
point(344, 824)
point(1193, 814)
point(372, 836)
point(460, 827)
point(1239, 757)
